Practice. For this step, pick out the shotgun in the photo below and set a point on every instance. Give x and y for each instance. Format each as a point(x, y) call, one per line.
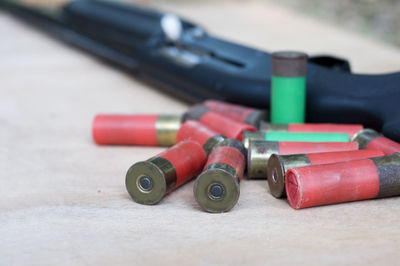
point(181, 58)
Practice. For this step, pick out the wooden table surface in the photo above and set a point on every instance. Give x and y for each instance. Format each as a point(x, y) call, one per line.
point(63, 199)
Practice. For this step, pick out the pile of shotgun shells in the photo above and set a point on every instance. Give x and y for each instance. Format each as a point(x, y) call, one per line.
point(310, 164)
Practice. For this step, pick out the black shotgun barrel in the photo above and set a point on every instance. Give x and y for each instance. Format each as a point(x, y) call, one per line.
point(197, 66)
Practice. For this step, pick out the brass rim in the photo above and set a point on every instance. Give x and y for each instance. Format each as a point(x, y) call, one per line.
point(274, 127)
point(255, 118)
point(234, 144)
point(278, 165)
point(229, 184)
point(364, 136)
point(161, 182)
point(195, 112)
point(249, 136)
point(166, 127)
point(212, 142)
point(389, 174)
point(276, 176)
point(258, 155)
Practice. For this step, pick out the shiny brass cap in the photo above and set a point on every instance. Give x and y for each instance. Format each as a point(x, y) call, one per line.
point(249, 135)
point(258, 155)
point(166, 128)
point(217, 190)
point(148, 181)
point(234, 143)
point(389, 174)
point(195, 112)
point(212, 142)
point(273, 127)
point(255, 117)
point(277, 168)
point(365, 136)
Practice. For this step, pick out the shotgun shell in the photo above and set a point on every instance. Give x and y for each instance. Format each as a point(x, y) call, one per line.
point(239, 113)
point(370, 139)
point(293, 136)
point(259, 152)
point(226, 126)
point(350, 129)
point(146, 130)
point(149, 181)
point(279, 164)
point(288, 87)
point(196, 131)
point(217, 188)
point(317, 185)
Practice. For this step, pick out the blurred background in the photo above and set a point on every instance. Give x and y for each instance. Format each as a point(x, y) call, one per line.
point(379, 19)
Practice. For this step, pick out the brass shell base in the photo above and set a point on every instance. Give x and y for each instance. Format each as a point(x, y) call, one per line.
point(364, 137)
point(278, 165)
point(221, 177)
point(258, 155)
point(152, 171)
point(276, 176)
point(256, 117)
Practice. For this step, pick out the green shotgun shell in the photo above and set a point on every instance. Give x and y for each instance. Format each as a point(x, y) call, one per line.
point(293, 136)
point(217, 188)
point(288, 87)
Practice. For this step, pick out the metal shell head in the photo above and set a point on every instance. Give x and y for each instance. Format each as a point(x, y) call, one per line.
point(166, 128)
point(217, 190)
point(255, 117)
point(227, 142)
point(195, 112)
point(277, 168)
point(212, 142)
point(147, 183)
point(389, 174)
point(273, 127)
point(276, 176)
point(258, 155)
point(249, 135)
point(365, 136)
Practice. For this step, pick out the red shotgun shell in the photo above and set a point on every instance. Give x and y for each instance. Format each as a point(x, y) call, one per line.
point(217, 188)
point(196, 131)
point(236, 112)
point(149, 181)
point(350, 129)
point(226, 126)
point(278, 165)
point(260, 151)
point(317, 185)
point(145, 130)
point(370, 139)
